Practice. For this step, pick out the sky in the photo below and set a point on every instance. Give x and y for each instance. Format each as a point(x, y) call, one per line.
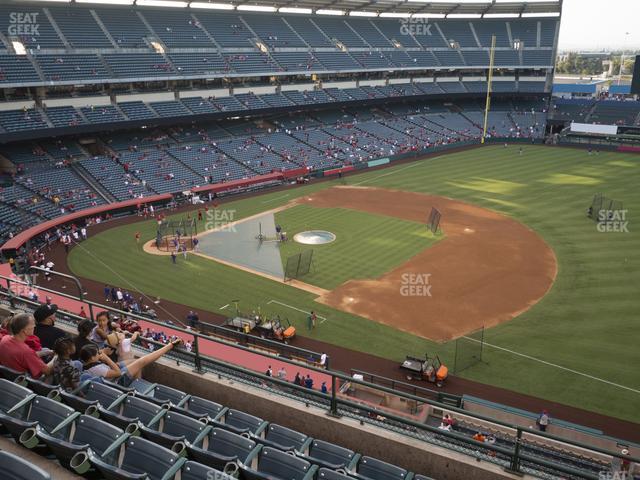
point(600, 24)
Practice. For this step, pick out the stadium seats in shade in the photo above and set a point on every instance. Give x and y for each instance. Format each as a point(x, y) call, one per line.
point(327, 454)
point(327, 474)
point(283, 438)
point(87, 432)
point(197, 471)
point(39, 413)
point(15, 468)
point(127, 410)
point(269, 464)
point(13, 394)
point(367, 468)
point(161, 394)
point(9, 373)
point(240, 422)
point(140, 459)
point(174, 428)
point(90, 395)
point(219, 448)
point(199, 408)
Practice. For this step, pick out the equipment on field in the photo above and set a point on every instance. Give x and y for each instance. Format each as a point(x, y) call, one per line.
point(433, 223)
point(176, 235)
point(298, 265)
point(603, 209)
point(430, 369)
point(273, 328)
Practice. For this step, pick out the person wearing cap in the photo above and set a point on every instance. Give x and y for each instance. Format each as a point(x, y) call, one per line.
point(16, 354)
point(46, 330)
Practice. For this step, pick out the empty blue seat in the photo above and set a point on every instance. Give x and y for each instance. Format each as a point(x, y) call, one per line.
point(240, 422)
point(218, 448)
point(15, 468)
point(129, 410)
point(283, 438)
point(174, 428)
point(199, 408)
point(197, 471)
point(90, 395)
point(138, 459)
point(13, 394)
point(87, 433)
point(40, 412)
point(163, 395)
point(271, 464)
point(327, 454)
point(368, 468)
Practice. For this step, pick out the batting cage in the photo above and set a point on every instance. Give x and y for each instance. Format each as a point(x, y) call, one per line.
point(298, 265)
point(603, 208)
point(433, 223)
point(176, 235)
point(468, 350)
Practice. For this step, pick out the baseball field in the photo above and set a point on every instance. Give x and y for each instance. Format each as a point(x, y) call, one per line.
point(516, 254)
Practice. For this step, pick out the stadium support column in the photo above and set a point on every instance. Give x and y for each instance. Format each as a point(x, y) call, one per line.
point(489, 82)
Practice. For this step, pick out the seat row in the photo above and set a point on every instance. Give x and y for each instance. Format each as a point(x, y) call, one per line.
point(151, 431)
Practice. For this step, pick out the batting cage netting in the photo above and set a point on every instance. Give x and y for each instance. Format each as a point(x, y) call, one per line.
point(298, 265)
point(433, 223)
point(468, 350)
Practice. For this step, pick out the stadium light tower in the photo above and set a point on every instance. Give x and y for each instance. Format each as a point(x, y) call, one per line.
point(489, 82)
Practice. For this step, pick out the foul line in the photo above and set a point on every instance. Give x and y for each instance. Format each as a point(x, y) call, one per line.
point(223, 307)
point(322, 319)
point(529, 357)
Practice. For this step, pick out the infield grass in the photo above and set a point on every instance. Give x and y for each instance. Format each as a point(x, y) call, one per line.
point(585, 330)
point(366, 245)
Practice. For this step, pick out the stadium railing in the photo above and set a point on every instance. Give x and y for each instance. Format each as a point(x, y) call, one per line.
point(520, 456)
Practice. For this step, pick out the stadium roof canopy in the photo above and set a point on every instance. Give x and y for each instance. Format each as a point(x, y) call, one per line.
point(398, 8)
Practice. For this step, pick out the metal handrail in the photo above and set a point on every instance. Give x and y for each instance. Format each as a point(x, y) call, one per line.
point(333, 398)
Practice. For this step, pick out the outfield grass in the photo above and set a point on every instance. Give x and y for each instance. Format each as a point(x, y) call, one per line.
point(366, 245)
point(587, 323)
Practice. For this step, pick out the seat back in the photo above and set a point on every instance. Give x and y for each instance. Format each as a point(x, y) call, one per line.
point(330, 453)
point(134, 407)
point(379, 470)
point(143, 456)
point(104, 394)
point(230, 444)
point(242, 420)
point(282, 465)
point(201, 407)
point(99, 435)
point(177, 425)
point(328, 474)
point(12, 394)
point(15, 468)
point(9, 373)
point(49, 413)
point(197, 471)
point(285, 436)
point(164, 393)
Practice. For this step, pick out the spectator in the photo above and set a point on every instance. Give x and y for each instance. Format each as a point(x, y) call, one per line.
point(282, 373)
point(85, 327)
point(192, 319)
point(66, 372)
point(269, 372)
point(323, 387)
point(46, 331)
point(324, 361)
point(297, 380)
point(14, 352)
point(479, 437)
point(308, 382)
point(543, 421)
point(97, 365)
